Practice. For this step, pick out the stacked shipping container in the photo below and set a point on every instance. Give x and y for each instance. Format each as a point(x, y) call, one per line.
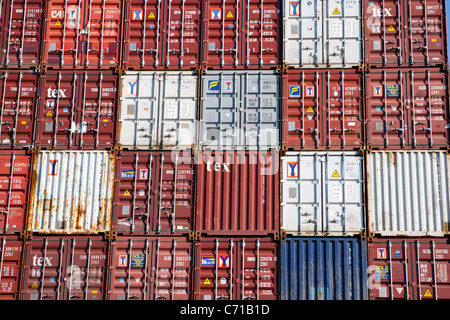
point(177, 150)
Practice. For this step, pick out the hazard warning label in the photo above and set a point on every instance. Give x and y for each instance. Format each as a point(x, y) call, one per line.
point(336, 11)
point(335, 174)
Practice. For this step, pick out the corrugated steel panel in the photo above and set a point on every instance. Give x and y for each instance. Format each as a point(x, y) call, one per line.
point(18, 96)
point(77, 109)
point(240, 110)
point(236, 268)
point(241, 34)
point(151, 269)
point(72, 192)
point(158, 110)
point(409, 269)
point(162, 34)
point(82, 34)
point(322, 193)
point(408, 193)
point(21, 33)
point(322, 33)
point(407, 108)
point(323, 269)
point(154, 193)
point(15, 176)
point(65, 268)
point(237, 192)
point(403, 33)
point(11, 248)
point(323, 109)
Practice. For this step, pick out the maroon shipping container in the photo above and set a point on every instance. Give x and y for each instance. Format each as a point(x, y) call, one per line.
point(402, 33)
point(15, 171)
point(144, 268)
point(11, 250)
point(409, 269)
point(407, 108)
point(242, 34)
point(149, 197)
point(65, 268)
point(77, 109)
point(21, 33)
point(82, 34)
point(236, 269)
point(18, 96)
point(237, 192)
point(323, 109)
point(162, 34)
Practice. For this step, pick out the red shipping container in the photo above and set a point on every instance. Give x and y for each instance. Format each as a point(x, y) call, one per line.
point(407, 108)
point(65, 268)
point(77, 109)
point(15, 176)
point(11, 248)
point(402, 33)
point(242, 34)
point(409, 269)
point(149, 197)
point(236, 269)
point(82, 34)
point(237, 192)
point(162, 34)
point(21, 33)
point(18, 96)
point(323, 109)
point(144, 268)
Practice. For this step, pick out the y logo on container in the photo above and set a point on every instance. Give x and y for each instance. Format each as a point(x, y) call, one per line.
point(132, 88)
point(292, 170)
point(137, 15)
point(215, 14)
point(294, 8)
point(52, 167)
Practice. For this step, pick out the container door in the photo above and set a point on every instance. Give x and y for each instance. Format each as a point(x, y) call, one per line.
point(18, 101)
point(14, 184)
point(22, 22)
point(10, 267)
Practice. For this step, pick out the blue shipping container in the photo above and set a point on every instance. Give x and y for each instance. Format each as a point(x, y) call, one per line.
point(323, 269)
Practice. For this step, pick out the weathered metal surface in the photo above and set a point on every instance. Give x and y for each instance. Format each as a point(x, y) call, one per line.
point(11, 248)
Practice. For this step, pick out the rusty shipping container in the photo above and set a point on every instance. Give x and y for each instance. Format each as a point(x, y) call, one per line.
point(144, 268)
point(65, 268)
point(407, 109)
point(154, 193)
point(409, 269)
point(236, 268)
point(15, 177)
point(323, 109)
point(21, 33)
point(237, 192)
point(18, 96)
point(405, 33)
point(162, 34)
point(11, 251)
point(82, 34)
point(241, 34)
point(72, 192)
point(77, 109)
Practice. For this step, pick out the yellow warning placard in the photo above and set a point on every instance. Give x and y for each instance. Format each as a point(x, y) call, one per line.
point(23, 122)
point(127, 193)
point(49, 114)
point(391, 28)
point(58, 23)
point(151, 15)
point(35, 285)
point(230, 15)
point(207, 281)
point(335, 174)
point(336, 11)
point(427, 293)
point(310, 109)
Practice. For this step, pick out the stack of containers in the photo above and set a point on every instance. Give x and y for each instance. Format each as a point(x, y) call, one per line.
point(237, 159)
point(407, 158)
point(323, 227)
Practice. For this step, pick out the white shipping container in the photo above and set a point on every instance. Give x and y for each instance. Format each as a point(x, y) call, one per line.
point(322, 33)
point(322, 193)
point(71, 192)
point(408, 193)
point(158, 110)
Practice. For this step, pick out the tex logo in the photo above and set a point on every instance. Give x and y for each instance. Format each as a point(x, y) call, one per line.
point(137, 15)
point(131, 88)
point(292, 170)
point(381, 253)
point(215, 14)
point(377, 91)
point(213, 85)
point(294, 91)
point(53, 167)
point(224, 262)
point(294, 8)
